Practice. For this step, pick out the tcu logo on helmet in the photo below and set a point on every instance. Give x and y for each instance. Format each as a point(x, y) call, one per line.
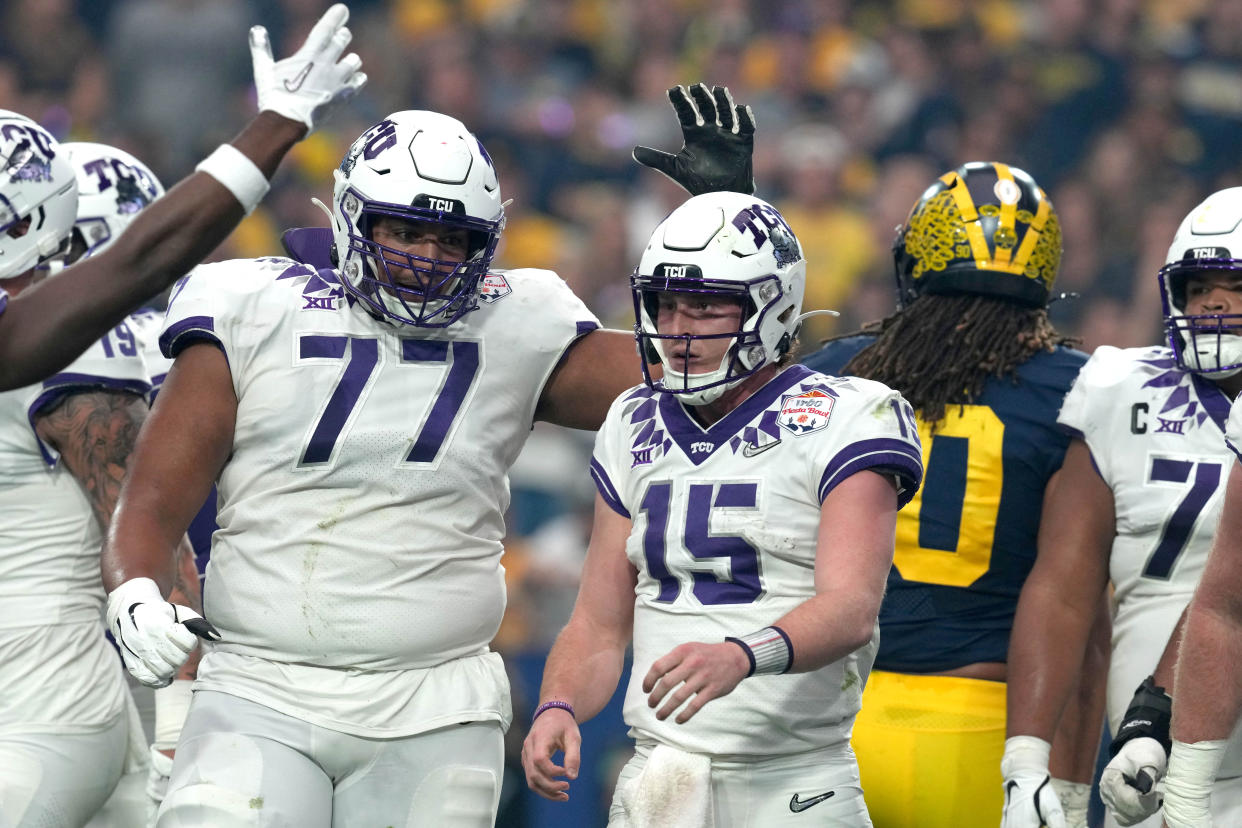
point(773, 229)
point(135, 187)
point(41, 140)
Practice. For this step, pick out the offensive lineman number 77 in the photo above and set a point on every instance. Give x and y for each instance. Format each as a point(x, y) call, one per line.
point(362, 357)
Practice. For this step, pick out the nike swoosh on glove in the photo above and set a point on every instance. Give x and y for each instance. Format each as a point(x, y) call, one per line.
point(154, 636)
point(1030, 799)
point(315, 79)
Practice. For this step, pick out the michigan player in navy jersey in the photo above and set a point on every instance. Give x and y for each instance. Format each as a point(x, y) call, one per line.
point(46, 327)
point(743, 531)
point(972, 350)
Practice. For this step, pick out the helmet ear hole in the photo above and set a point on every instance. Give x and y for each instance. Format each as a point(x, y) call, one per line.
point(334, 257)
point(650, 353)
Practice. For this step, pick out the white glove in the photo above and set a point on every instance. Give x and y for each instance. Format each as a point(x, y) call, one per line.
point(305, 86)
point(157, 779)
point(1075, 798)
point(1030, 800)
point(150, 632)
point(1120, 785)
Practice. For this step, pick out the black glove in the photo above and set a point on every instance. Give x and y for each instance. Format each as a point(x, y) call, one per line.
point(1149, 714)
point(719, 143)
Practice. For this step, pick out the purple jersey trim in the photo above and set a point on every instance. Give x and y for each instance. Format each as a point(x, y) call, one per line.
point(685, 430)
point(184, 332)
point(608, 491)
point(59, 386)
point(581, 329)
point(1214, 400)
point(882, 454)
point(1234, 449)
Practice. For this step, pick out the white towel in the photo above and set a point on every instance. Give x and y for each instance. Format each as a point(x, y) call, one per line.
point(673, 790)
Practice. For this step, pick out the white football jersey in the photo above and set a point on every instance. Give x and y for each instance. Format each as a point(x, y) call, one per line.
point(146, 325)
point(51, 633)
point(1155, 435)
point(361, 511)
point(724, 537)
point(49, 537)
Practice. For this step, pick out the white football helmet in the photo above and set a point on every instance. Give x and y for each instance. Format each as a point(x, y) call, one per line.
point(113, 186)
point(36, 183)
point(1209, 239)
point(721, 244)
point(421, 166)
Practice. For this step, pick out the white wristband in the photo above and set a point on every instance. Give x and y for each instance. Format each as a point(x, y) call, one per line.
point(769, 651)
point(172, 703)
point(1188, 784)
point(235, 171)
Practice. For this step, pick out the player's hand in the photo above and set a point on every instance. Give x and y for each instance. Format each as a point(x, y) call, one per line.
point(157, 779)
point(1128, 784)
point(554, 729)
point(1030, 800)
point(695, 673)
point(719, 142)
point(154, 636)
point(305, 86)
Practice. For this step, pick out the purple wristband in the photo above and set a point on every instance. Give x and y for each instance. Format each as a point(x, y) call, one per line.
point(548, 705)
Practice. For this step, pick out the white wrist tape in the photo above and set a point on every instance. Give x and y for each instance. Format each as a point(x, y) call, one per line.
point(234, 170)
point(172, 703)
point(1188, 785)
point(769, 651)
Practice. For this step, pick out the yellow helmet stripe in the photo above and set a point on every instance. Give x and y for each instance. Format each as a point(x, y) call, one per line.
point(1008, 212)
point(1033, 233)
point(966, 207)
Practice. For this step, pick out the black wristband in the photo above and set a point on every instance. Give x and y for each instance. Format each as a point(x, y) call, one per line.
point(1149, 714)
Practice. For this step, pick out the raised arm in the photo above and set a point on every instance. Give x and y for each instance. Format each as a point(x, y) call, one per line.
point(47, 326)
point(1059, 603)
point(586, 661)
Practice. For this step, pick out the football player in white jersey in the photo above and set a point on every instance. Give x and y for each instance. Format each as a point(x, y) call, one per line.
point(744, 529)
point(48, 326)
point(361, 422)
point(1138, 502)
point(1207, 693)
point(113, 187)
point(65, 444)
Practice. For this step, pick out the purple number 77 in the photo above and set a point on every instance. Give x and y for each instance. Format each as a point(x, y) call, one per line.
point(362, 358)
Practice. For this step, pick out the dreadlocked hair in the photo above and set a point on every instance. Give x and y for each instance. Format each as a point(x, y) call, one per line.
point(941, 350)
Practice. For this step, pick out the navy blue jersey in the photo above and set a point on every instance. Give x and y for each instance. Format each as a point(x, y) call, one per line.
point(967, 541)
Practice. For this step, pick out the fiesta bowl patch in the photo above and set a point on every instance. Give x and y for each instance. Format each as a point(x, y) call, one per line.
point(804, 413)
point(494, 287)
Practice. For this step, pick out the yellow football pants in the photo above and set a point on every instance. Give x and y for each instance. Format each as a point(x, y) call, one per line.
point(929, 750)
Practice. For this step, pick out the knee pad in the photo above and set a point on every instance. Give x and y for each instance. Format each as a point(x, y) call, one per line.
point(462, 797)
point(202, 804)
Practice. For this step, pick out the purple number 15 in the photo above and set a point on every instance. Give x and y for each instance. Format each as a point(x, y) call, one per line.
point(742, 585)
point(362, 356)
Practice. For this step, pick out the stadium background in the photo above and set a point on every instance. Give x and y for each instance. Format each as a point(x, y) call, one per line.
point(1127, 112)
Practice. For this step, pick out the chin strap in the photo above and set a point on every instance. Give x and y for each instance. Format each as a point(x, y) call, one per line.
point(809, 314)
point(325, 209)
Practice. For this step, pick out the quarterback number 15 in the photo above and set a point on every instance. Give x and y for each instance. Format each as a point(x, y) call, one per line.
point(361, 356)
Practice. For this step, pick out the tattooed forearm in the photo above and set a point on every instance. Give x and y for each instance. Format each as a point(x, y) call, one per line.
point(94, 431)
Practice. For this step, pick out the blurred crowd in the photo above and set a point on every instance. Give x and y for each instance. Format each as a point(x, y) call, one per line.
point(1127, 112)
